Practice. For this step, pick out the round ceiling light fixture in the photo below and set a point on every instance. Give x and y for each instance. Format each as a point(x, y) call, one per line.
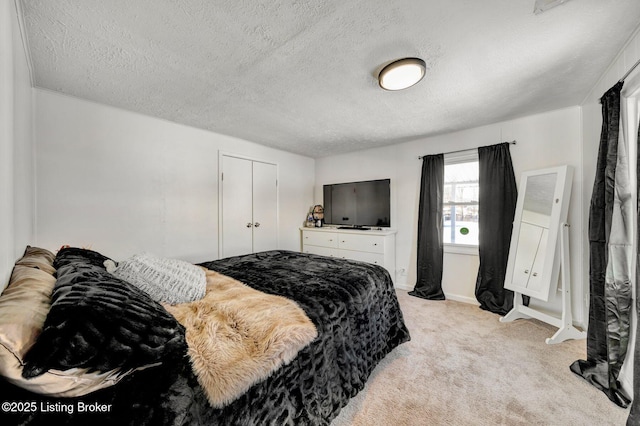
point(402, 73)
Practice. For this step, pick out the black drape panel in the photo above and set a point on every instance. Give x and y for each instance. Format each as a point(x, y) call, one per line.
point(497, 207)
point(603, 361)
point(634, 415)
point(430, 252)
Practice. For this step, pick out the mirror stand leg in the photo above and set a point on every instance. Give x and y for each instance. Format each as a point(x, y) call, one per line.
point(567, 330)
point(515, 313)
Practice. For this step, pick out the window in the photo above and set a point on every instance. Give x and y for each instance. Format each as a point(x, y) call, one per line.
point(460, 200)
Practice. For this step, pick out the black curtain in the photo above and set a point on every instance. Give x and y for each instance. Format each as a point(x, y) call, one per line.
point(606, 342)
point(634, 415)
point(430, 252)
point(497, 207)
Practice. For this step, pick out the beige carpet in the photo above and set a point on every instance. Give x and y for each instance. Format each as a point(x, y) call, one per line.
point(464, 367)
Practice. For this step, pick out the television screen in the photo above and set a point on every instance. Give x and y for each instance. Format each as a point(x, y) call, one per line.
point(358, 204)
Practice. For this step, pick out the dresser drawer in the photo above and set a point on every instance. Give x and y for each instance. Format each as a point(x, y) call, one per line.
point(366, 243)
point(324, 251)
point(375, 258)
point(322, 239)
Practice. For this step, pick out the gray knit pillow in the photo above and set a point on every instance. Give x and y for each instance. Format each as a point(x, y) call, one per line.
point(165, 280)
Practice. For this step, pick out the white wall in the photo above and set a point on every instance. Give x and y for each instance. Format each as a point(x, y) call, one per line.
point(121, 182)
point(543, 140)
point(16, 144)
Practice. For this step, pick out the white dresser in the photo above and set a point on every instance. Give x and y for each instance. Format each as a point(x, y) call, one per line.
point(372, 246)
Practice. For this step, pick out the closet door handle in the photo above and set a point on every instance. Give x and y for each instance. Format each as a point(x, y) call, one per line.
point(257, 224)
point(249, 225)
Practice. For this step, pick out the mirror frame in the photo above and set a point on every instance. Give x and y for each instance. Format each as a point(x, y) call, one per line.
point(559, 212)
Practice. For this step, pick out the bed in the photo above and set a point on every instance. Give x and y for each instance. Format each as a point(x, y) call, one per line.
point(352, 307)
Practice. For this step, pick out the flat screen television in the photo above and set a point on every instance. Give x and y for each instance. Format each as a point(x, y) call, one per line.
point(358, 204)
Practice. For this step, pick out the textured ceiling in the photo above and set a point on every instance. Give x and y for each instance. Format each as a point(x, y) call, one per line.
point(299, 75)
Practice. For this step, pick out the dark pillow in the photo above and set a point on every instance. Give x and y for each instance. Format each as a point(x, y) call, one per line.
point(67, 255)
point(100, 322)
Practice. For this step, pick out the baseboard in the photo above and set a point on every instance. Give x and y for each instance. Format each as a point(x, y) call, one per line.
point(463, 299)
point(449, 296)
point(403, 286)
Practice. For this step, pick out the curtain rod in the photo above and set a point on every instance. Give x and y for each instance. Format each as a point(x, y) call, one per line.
point(630, 71)
point(463, 150)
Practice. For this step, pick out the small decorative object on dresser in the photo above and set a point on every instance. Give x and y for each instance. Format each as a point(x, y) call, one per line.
point(376, 246)
point(318, 215)
point(310, 223)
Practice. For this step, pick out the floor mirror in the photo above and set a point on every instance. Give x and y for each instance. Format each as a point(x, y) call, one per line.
point(539, 249)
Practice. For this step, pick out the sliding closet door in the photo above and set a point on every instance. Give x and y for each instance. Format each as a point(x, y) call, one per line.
point(236, 231)
point(265, 207)
point(248, 206)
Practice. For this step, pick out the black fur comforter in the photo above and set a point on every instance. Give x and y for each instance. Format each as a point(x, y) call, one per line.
point(354, 308)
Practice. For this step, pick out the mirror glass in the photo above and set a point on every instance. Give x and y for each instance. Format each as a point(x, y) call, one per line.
point(538, 199)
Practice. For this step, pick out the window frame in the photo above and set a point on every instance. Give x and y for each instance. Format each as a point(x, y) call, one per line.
point(467, 156)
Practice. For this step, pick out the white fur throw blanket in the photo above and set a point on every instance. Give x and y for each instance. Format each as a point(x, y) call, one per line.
point(237, 336)
point(165, 280)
